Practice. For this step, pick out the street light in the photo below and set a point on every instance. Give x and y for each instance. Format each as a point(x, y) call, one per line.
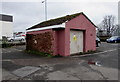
point(45, 1)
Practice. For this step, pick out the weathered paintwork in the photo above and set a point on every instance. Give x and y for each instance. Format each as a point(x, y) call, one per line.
point(61, 41)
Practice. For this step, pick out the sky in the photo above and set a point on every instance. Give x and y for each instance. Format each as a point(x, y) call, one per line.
point(27, 13)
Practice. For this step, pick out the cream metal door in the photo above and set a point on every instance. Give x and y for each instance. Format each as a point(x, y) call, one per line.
point(76, 41)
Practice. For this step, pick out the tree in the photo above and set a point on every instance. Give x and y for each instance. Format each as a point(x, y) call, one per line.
point(108, 24)
point(100, 30)
point(117, 30)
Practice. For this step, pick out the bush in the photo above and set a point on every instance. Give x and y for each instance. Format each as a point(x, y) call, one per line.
point(6, 45)
point(43, 54)
point(4, 39)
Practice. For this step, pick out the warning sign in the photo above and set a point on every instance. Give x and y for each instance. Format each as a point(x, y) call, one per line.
point(75, 37)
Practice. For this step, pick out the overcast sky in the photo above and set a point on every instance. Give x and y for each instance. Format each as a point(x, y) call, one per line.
point(27, 14)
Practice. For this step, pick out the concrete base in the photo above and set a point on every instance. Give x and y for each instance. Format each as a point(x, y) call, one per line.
point(25, 71)
point(8, 76)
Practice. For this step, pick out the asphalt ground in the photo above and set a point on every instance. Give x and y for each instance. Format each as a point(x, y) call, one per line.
point(15, 58)
point(17, 54)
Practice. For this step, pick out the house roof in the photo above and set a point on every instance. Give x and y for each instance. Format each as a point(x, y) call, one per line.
point(57, 21)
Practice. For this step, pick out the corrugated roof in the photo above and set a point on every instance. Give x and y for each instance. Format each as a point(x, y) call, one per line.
point(56, 21)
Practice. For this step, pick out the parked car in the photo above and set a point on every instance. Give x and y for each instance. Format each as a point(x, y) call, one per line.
point(98, 42)
point(114, 39)
point(16, 38)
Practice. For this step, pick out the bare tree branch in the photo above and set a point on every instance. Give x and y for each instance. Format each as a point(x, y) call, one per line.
point(108, 24)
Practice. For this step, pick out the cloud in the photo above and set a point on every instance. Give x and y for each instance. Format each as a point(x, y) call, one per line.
point(119, 13)
point(27, 14)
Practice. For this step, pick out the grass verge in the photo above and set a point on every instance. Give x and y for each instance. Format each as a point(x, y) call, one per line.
point(42, 54)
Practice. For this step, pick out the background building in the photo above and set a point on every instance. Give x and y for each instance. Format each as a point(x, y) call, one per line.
point(119, 17)
point(6, 25)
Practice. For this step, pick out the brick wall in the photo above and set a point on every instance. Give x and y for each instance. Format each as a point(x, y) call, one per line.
point(42, 42)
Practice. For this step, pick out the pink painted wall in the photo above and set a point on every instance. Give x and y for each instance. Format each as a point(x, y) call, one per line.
point(82, 23)
point(67, 42)
point(59, 42)
point(55, 43)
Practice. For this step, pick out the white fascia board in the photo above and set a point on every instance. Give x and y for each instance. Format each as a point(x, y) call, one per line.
point(48, 27)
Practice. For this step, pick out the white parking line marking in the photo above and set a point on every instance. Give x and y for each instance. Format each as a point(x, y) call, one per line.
point(6, 51)
point(106, 51)
point(3, 52)
point(6, 60)
point(3, 49)
point(9, 51)
point(96, 53)
point(17, 49)
point(114, 44)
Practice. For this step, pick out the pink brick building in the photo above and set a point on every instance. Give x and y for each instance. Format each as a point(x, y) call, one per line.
point(63, 36)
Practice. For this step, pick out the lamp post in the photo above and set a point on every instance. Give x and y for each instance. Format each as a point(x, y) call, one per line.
point(45, 1)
